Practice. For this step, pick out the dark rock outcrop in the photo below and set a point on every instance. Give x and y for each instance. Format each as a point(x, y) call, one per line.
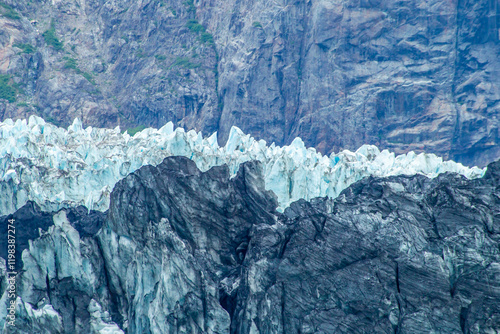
point(403, 75)
point(185, 251)
point(401, 254)
point(187, 232)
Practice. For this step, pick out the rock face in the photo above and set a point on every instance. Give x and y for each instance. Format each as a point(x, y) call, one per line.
point(403, 75)
point(185, 251)
point(398, 74)
point(110, 63)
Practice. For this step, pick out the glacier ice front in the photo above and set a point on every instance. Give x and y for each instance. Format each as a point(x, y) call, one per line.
point(57, 167)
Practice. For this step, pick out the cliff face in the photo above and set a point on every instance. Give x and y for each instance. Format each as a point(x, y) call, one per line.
point(399, 74)
point(404, 75)
point(109, 63)
point(184, 251)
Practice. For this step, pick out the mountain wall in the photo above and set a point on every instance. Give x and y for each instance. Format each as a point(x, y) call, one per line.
point(182, 250)
point(400, 74)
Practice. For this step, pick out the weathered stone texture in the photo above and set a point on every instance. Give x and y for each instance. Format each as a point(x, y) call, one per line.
point(404, 75)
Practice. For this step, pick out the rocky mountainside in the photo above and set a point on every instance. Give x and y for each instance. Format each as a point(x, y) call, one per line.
point(403, 75)
point(181, 250)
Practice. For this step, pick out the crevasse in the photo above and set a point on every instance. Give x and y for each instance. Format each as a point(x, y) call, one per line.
point(57, 167)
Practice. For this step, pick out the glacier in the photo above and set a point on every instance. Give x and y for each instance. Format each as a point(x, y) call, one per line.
point(59, 168)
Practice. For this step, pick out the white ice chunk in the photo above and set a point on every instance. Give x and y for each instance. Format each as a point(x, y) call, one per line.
point(56, 167)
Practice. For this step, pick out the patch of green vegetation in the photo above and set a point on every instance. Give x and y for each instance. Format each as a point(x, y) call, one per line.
point(125, 38)
point(17, 86)
point(207, 37)
point(133, 131)
point(257, 24)
point(195, 26)
point(191, 8)
point(52, 120)
point(7, 91)
point(27, 48)
point(72, 64)
point(9, 12)
point(22, 104)
point(160, 57)
point(89, 77)
point(140, 53)
point(51, 38)
point(184, 62)
point(174, 12)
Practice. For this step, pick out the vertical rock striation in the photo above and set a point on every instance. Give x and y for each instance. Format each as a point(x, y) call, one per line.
point(403, 75)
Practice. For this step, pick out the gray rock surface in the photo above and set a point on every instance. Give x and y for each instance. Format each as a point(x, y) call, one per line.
point(121, 63)
point(184, 251)
point(403, 75)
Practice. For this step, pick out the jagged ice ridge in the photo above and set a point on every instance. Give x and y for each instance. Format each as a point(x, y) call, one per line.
point(57, 167)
